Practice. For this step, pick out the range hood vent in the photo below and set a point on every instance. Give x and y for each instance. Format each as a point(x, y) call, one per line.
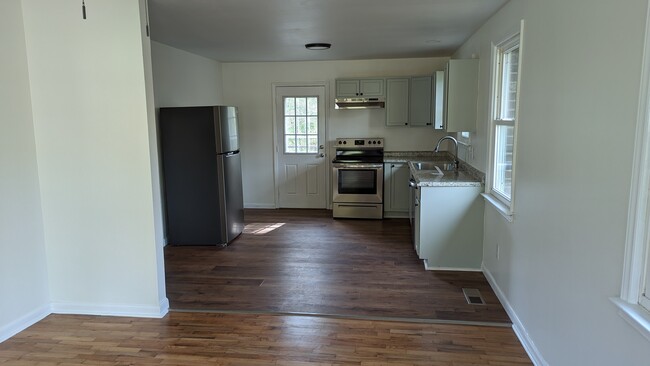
point(359, 103)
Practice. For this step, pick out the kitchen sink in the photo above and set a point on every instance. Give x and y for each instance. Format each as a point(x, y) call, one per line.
point(425, 165)
point(429, 165)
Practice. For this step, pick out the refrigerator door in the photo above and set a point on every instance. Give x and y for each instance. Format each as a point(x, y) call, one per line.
point(226, 129)
point(190, 176)
point(232, 201)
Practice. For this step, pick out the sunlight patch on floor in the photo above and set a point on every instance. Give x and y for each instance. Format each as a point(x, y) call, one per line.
point(261, 228)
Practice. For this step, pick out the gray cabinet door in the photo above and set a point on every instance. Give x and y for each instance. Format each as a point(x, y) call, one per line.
point(420, 101)
point(397, 102)
point(347, 88)
point(399, 187)
point(353, 88)
point(461, 96)
point(371, 87)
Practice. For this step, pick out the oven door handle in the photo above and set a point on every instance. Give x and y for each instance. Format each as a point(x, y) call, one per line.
point(356, 166)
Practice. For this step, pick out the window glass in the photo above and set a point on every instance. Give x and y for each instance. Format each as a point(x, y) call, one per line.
point(504, 120)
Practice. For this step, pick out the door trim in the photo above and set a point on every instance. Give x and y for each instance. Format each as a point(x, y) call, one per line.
point(276, 147)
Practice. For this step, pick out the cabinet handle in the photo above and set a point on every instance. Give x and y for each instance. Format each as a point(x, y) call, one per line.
point(392, 165)
point(429, 124)
point(406, 124)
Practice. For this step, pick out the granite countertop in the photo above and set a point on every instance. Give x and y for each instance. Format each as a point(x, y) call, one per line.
point(466, 176)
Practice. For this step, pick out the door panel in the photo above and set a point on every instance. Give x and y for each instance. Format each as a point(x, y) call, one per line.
point(301, 155)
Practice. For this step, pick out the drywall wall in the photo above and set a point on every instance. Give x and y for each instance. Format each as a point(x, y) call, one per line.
point(156, 185)
point(181, 79)
point(562, 257)
point(91, 122)
point(23, 270)
point(184, 79)
point(250, 87)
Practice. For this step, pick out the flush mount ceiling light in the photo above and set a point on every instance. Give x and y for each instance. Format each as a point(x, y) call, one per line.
point(318, 46)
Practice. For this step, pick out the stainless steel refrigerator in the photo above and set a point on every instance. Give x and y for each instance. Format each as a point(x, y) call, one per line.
point(201, 169)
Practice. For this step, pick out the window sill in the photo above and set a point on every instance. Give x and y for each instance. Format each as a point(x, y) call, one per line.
point(499, 206)
point(637, 316)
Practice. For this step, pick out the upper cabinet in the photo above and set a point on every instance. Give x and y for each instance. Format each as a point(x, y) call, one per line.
point(397, 101)
point(420, 101)
point(409, 101)
point(353, 88)
point(459, 97)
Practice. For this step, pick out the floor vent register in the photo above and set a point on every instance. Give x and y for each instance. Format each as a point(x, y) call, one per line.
point(473, 296)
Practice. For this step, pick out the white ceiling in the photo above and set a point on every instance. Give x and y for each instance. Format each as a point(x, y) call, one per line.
point(277, 30)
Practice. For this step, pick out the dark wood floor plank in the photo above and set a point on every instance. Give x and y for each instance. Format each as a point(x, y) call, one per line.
point(245, 339)
point(311, 263)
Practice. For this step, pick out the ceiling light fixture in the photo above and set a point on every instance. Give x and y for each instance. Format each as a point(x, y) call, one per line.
point(318, 46)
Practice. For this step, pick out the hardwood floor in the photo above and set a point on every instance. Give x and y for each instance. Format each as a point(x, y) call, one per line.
point(244, 339)
point(309, 263)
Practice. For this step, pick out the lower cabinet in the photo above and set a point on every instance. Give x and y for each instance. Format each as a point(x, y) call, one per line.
point(396, 189)
point(448, 227)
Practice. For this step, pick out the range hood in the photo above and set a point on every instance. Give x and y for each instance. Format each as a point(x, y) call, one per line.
point(359, 103)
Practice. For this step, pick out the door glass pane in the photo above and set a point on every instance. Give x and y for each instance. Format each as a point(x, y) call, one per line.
point(301, 125)
point(301, 106)
point(312, 144)
point(312, 106)
point(289, 125)
point(290, 144)
point(312, 125)
point(301, 144)
point(289, 106)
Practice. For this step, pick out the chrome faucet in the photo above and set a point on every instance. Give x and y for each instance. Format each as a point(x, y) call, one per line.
point(455, 150)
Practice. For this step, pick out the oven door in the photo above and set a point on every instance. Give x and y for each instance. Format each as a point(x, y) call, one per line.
point(358, 182)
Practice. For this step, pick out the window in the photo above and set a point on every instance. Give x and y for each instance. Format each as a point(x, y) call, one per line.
point(506, 75)
point(634, 302)
point(300, 125)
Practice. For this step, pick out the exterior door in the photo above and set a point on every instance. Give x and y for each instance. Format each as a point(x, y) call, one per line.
point(300, 150)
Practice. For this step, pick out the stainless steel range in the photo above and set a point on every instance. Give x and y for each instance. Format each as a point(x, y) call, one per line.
point(358, 178)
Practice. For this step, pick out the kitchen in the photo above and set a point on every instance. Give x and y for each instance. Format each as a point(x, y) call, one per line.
point(89, 199)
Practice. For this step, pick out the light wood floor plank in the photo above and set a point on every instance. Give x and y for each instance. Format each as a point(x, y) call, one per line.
point(245, 339)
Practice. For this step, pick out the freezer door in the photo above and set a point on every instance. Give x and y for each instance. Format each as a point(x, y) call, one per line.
point(232, 202)
point(226, 129)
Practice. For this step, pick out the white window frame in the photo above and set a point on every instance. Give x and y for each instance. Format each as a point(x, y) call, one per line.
point(503, 205)
point(633, 305)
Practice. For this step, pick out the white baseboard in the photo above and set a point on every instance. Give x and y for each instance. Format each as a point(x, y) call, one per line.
point(136, 311)
point(24, 322)
point(260, 205)
point(432, 268)
point(39, 314)
point(517, 325)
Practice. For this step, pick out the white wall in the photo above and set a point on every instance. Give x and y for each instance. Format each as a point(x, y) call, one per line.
point(23, 270)
point(185, 79)
point(91, 119)
point(562, 257)
point(250, 87)
point(181, 79)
